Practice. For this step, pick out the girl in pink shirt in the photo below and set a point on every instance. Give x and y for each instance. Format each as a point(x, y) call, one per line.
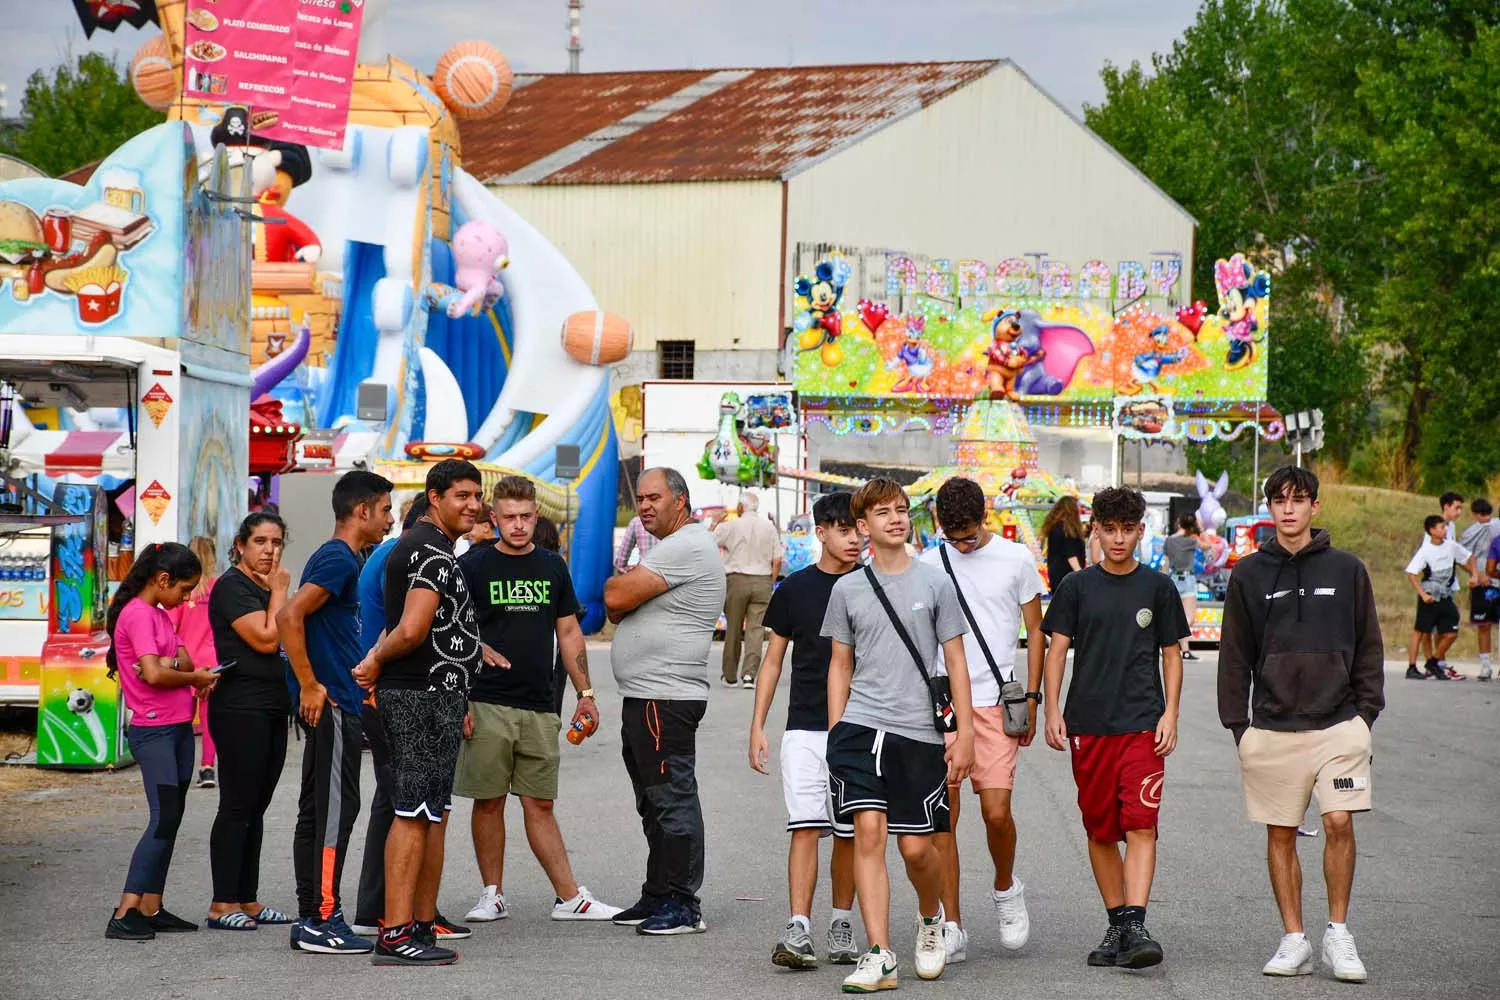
point(190, 619)
point(159, 682)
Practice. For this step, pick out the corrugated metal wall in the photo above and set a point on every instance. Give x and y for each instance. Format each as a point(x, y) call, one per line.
point(992, 171)
point(697, 262)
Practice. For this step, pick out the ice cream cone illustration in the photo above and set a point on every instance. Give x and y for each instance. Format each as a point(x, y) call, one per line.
point(157, 402)
point(155, 499)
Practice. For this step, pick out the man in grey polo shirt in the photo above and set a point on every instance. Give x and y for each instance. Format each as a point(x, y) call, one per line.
point(666, 608)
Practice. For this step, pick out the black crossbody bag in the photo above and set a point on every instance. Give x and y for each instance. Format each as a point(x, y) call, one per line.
point(942, 699)
point(1017, 721)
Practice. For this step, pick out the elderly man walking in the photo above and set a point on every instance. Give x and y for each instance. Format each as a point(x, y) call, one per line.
point(666, 607)
point(752, 560)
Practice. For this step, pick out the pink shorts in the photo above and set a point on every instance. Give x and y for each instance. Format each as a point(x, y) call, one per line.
point(995, 753)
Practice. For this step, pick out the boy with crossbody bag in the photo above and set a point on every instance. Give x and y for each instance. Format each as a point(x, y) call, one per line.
point(998, 587)
point(888, 766)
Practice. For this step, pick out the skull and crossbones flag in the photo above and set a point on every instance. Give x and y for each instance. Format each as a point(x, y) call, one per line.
point(110, 14)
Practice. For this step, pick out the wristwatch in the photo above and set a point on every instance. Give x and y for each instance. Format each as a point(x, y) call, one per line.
point(1035, 696)
point(585, 693)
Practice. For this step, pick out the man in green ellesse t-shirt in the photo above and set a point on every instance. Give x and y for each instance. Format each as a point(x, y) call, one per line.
point(524, 600)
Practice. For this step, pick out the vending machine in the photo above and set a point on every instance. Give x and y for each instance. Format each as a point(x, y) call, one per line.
point(80, 715)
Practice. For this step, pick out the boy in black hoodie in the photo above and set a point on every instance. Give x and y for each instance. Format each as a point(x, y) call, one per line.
point(1301, 644)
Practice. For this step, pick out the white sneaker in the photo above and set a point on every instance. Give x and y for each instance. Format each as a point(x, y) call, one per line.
point(955, 942)
point(581, 907)
point(491, 906)
point(1485, 673)
point(1294, 957)
point(876, 971)
point(1340, 955)
point(932, 954)
point(1015, 922)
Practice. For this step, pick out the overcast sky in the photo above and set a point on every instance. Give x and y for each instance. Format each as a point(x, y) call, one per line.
point(1061, 43)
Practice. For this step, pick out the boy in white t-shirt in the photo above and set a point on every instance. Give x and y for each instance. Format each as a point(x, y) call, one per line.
point(1000, 587)
point(1433, 571)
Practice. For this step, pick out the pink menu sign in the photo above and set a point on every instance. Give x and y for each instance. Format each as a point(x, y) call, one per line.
point(326, 49)
point(242, 53)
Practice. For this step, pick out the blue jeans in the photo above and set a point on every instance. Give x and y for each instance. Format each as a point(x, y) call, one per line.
point(165, 754)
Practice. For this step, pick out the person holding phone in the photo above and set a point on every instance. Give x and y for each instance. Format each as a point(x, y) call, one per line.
point(249, 707)
point(158, 681)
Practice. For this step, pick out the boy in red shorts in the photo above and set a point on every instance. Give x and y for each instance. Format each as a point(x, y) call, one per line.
point(1120, 619)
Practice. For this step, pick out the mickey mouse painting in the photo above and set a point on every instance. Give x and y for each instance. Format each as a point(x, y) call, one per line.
point(819, 325)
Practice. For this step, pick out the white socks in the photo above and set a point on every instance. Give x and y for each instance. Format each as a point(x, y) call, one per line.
point(839, 914)
point(1338, 928)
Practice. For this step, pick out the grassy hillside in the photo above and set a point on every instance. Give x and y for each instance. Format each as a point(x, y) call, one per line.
point(1384, 528)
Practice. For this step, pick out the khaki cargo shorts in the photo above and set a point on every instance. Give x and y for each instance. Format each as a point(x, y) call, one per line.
point(1281, 771)
point(513, 751)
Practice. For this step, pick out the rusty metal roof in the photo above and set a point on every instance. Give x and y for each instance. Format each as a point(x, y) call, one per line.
point(696, 125)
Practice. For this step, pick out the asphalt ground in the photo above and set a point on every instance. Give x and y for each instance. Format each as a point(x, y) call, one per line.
point(1426, 904)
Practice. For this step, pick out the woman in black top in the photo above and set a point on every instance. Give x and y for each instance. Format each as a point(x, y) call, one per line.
point(248, 716)
point(1062, 538)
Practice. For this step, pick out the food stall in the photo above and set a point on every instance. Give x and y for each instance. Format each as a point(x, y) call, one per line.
point(124, 409)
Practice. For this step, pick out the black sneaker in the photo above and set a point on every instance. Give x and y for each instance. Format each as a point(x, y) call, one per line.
point(1436, 672)
point(404, 946)
point(673, 917)
point(446, 930)
point(1413, 674)
point(637, 914)
point(163, 922)
point(1108, 949)
point(207, 778)
point(1138, 949)
point(131, 927)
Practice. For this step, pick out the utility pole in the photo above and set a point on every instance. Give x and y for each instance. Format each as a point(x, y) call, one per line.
point(575, 34)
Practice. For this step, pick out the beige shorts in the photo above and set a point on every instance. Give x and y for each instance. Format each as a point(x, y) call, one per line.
point(1281, 771)
point(513, 751)
point(995, 753)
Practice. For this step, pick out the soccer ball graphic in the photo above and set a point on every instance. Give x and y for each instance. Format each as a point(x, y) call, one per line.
point(80, 701)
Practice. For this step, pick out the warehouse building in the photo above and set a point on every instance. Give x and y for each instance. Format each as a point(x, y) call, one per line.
point(683, 197)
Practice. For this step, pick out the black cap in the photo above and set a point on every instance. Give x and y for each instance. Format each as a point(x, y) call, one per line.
point(295, 161)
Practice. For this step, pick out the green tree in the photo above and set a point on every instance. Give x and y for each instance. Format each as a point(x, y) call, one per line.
point(80, 113)
point(1229, 125)
point(1432, 123)
point(1350, 145)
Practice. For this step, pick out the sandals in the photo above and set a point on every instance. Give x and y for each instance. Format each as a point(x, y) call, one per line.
point(271, 915)
point(238, 920)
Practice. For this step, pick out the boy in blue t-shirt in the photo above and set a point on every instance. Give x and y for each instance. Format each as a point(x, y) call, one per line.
point(320, 632)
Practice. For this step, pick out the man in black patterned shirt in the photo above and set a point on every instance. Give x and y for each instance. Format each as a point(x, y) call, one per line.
point(420, 669)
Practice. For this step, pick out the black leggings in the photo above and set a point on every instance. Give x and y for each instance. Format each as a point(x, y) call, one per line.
point(165, 754)
point(252, 749)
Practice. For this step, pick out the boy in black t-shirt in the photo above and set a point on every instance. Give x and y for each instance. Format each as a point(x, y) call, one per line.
point(526, 606)
point(795, 615)
point(1117, 616)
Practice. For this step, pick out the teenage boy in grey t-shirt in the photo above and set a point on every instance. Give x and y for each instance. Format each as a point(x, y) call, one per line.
point(888, 768)
point(666, 607)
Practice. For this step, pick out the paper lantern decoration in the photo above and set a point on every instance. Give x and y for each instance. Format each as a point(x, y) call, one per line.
point(474, 79)
point(152, 75)
point(597, 338)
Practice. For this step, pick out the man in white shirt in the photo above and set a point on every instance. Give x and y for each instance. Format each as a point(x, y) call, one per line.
point(751, 547)
point(1433, 572)
point(999, 587)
